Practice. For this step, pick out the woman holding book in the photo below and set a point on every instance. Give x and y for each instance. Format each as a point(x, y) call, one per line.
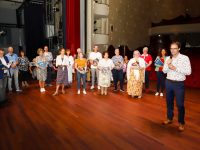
point(81, 67)
point(70, 67)
point(118, 70)
point(159, 63)
point(23, 67)
point(62, 63)
point(41, 64)
point(135, 75)
point(105, 66)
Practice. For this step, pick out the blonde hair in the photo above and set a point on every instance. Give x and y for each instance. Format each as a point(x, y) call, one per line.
point(39, 50)
point(79, 54)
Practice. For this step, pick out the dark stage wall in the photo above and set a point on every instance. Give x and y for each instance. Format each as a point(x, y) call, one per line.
point(34, 29)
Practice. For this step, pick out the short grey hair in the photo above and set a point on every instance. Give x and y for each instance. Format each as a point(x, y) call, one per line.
point(116, 49)
point(78, 49)
point(145, 48)
point(136, 51)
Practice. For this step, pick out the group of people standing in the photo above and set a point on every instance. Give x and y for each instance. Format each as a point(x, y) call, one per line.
point(171, 74)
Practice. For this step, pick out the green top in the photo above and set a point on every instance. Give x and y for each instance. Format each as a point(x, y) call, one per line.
point(158, 66)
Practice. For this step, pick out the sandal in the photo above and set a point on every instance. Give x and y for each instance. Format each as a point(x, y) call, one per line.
point(63, 92)
point(55, 94)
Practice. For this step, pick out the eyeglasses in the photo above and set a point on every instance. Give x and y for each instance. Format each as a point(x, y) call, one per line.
point(173, 48)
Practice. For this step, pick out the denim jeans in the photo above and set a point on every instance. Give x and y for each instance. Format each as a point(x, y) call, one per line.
point(160, 77)
point(79, 75)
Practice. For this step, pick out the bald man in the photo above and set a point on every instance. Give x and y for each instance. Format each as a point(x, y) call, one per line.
point(13, 70)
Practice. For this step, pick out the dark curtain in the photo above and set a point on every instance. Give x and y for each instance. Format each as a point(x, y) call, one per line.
point(34, 29)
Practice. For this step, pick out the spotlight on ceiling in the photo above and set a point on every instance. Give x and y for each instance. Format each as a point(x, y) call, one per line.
point(159, 35)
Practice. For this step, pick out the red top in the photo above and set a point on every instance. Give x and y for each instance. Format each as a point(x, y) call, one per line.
point(160, 69)
point(147, 59)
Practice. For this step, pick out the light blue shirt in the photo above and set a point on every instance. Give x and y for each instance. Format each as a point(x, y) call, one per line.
point(13, 57)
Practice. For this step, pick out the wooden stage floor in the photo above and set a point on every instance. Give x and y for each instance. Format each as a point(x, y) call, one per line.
point(39, 121)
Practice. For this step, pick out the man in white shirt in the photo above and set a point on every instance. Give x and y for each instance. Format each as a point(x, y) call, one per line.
point(177, 66)
point(94, 58)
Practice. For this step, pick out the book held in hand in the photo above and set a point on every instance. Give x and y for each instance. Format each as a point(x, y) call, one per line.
point(82, 69)
point(22, 61)
point(158, 62)
point(95, 61)
point(136, 64)
point(42, 64)
point(118, 63)
point(4, 66)
point(105, 70)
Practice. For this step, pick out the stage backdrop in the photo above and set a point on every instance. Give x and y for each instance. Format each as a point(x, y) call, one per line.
point(72, 15)
point(34, 29)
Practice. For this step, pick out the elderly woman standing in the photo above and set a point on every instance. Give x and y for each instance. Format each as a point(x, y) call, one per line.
point(41, 63)
point(62, 62)
point(135, 75)
point(118, 70)
point(105, 66)
point(148, 61)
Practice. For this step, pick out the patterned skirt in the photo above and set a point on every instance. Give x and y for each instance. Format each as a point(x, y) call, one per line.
point(134, 87)
point(62, 76)
point(104, 79)
point(41, 74)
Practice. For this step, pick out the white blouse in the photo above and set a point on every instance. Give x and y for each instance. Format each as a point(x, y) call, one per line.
point(104, 63)
point(59, 61)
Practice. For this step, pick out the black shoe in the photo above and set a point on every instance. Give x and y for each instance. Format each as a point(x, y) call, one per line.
point(2, 104)
point(115, 90)
point(122, 90)
point(10, 91)
point(69, 86)
point(7, 100)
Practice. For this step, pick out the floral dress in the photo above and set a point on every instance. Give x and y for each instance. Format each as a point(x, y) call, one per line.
point(105, 74)
point(134, 87)
point(41, 74)
point(135, 78)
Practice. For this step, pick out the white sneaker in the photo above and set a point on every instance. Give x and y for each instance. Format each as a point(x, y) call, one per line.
point(140, 96)
point(157, 94)
point(92, 87)
point(44, 90)
point(99, 87)
point(161, 94)
point(78, 92)
point(41, 90)
point(84, 92)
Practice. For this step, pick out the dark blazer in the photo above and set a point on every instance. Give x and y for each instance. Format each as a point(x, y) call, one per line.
point(2, 71)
